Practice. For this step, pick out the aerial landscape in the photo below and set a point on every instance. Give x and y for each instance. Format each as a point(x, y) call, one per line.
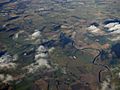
point(59, 44)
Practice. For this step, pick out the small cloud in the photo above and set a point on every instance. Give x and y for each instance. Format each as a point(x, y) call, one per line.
point(36, 35)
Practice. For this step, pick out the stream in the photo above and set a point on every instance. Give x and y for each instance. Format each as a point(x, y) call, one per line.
point(94, 61)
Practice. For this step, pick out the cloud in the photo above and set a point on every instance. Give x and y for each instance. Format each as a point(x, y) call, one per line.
point(6, 62)
point(110, 25)
point(43, 62)
point(95, 30)
point(6, 78)
point(36, 35)
point(41, 48)
point(7, 66)
point(40, 60)
point(105, 85)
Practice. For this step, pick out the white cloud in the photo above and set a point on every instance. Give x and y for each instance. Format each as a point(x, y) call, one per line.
point(116, 27)
point(41, 48)
point(41, 55)
point(2, 77)
point(6, 78)
point(104, 85)
point(7, 66)
point(110, 25)
point(43, 62)
point(95, 30)
point(36, 35)
point(40, 60)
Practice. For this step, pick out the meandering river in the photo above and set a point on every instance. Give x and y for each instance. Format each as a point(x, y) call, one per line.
point(94, 61)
